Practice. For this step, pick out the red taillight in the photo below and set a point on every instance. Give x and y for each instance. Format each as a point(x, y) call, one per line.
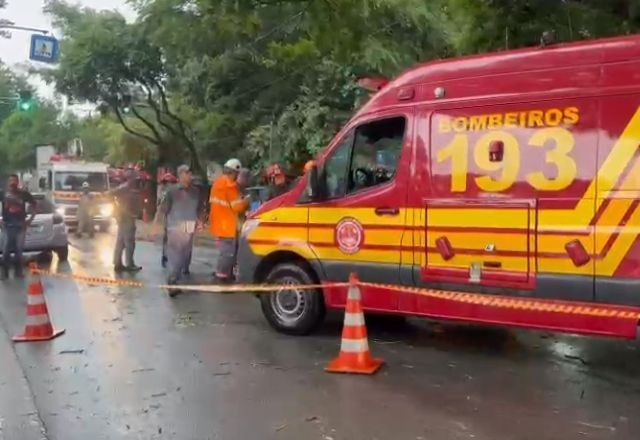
point(57, 219)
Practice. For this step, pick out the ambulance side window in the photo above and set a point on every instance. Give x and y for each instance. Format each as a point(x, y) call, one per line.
point(376, 153)
point(334, 173)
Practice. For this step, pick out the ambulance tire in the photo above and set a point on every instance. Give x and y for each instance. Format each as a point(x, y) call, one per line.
point(293, 313)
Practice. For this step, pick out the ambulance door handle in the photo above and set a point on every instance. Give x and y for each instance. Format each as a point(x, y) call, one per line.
point(387, 211)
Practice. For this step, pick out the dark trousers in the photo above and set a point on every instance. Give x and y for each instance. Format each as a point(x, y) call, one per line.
point(85, 225)
point(125, 242)
point(227, 249)
point(13, 243)
point(179, 248)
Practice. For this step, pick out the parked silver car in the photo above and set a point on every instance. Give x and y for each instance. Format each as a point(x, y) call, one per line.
point(47, 233)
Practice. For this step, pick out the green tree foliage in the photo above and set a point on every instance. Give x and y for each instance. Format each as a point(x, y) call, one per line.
point(8, 89)
point(274, 80)
point(21, 132)
point(109, 62)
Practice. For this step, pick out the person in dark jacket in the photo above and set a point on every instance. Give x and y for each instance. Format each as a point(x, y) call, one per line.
point(14, 224)
point(128, 204)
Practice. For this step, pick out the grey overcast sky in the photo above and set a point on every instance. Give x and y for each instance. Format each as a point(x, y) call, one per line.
point(15, 51)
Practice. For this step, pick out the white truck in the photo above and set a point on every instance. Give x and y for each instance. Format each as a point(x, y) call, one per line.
point(62, 179)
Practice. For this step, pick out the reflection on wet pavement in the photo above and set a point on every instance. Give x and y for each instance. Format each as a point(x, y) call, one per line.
point(136, 364)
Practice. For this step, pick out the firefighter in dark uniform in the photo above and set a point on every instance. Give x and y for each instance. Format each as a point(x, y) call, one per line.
point(128, 204)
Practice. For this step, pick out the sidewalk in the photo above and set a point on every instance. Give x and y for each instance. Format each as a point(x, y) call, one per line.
point(19, 418)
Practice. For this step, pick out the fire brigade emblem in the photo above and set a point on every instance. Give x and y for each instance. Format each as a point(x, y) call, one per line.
point(349, 235)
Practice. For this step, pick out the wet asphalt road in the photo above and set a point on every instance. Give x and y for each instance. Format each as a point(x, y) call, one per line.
point(134, 364)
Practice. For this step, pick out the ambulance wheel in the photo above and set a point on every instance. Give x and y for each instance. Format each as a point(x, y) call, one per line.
point(294, 312)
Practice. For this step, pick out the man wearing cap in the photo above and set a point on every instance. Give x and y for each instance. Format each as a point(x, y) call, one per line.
point(180, 211)
point(128, 205)
point(226, 207)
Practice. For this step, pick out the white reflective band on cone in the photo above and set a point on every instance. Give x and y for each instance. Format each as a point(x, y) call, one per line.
point(354, 319)
point(35, 300)
point(37, 320)
point(354, 293)
point(354, 345)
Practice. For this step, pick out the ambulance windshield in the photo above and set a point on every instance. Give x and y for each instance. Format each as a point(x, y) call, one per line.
point(73, 180)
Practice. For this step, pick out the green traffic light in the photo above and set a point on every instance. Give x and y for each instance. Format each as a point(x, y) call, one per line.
point(25, 101)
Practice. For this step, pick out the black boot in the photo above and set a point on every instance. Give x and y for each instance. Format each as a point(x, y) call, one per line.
point(164, 261)
point(119, 268)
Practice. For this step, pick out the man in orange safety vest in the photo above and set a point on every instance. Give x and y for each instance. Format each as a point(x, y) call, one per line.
point(226, 206)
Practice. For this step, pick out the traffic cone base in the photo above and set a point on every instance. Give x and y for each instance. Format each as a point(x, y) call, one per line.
point(25, 338)
point(354, 363)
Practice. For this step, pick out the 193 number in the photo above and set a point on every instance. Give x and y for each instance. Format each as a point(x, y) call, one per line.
point(560, 139)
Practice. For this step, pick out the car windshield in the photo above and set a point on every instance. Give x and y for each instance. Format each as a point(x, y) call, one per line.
point(72, 181)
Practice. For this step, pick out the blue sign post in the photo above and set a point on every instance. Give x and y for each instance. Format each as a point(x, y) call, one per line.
point(44, 49)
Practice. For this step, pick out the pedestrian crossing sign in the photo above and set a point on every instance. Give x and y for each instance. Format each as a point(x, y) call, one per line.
point(44, 49)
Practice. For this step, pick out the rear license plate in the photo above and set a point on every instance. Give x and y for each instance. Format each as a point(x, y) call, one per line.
point(37, 228)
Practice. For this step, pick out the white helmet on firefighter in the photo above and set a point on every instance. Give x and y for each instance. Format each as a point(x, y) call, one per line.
point(233, 164)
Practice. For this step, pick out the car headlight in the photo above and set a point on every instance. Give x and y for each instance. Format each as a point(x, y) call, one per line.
point(106, 210)
point(60, 210)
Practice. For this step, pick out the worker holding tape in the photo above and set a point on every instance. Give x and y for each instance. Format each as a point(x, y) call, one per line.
point(181, 214)
point(227, 205)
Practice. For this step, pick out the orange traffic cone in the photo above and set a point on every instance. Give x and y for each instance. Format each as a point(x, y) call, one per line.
point(38, 326)
point(354, 354)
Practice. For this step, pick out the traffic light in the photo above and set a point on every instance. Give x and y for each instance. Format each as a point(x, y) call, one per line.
point(25, 101)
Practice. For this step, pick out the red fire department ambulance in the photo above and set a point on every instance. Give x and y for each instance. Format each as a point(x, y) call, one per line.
point(514, 177)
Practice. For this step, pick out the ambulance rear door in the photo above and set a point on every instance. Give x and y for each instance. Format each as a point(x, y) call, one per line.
point(510, 203)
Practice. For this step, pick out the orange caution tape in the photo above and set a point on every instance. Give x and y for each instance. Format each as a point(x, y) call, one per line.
point(462, 297)
point(512, 303)
point(89, 279)
point(234, 288)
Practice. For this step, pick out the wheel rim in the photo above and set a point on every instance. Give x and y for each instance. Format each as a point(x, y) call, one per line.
point(289, 304)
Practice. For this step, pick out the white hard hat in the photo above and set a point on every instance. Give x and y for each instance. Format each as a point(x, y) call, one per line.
point(85, 184)
point(233, 164)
